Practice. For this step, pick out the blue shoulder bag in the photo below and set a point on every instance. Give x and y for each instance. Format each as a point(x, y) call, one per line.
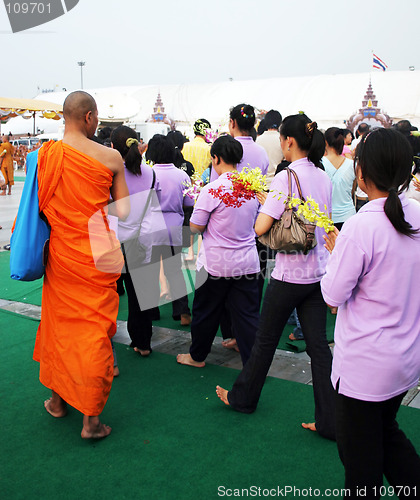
point(30, 238)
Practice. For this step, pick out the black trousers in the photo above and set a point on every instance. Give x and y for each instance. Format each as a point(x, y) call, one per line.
point(371, 444)
point(172, 266)
point(139, 324)
point(279, 301)
point(263, 254)
point(240, 296)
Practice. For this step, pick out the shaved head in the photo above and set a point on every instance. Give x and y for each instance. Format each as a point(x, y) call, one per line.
point(77, 104)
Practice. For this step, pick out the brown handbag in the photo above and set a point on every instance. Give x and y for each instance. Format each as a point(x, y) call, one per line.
point(291, 233)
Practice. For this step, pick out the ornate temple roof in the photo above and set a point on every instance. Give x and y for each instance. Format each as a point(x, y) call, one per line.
point(369, 113)
point(159, 114)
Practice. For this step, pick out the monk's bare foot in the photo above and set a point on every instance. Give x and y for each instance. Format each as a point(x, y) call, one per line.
point(116, 371)
point(310, 426)
point(142, 352)
point(186, 359)
point(93, 428)
point(56, 406)
point(222, 393)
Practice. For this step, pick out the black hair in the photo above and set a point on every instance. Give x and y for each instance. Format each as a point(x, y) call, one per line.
point(385, 158)
point(227, 148)
point(104, 134)
point(405, 128)
point(307, 136)
point(346, 132)
point(131, 154)
point(272, 119)
point(262, 127)
point(244, 115)
point(160, 150)
point(178, 140)
point(362, 129)
point(335, 139)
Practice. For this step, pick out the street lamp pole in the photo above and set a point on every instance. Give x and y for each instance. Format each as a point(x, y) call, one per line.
point(81, 64)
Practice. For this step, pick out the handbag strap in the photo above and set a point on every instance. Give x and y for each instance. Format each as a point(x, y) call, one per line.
point(289, 177)
point(149, 196)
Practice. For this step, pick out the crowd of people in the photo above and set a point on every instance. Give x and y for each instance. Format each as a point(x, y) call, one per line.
point(11, 158)
point(373, 199)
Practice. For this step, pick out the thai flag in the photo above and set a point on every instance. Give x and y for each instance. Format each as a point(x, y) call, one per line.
point(378, 63)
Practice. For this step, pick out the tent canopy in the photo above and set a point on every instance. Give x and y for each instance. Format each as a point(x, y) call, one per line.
point(330, 100)
point(10, 107)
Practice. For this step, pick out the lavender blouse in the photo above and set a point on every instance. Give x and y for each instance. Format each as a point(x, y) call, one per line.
point(373, 277)
point(228, 247)
point(254, 156)
point(314, 182)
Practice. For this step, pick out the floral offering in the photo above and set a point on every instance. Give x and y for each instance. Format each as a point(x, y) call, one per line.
point(210, 135)
point(310, 211)
point(245, 186)
point(193, 190)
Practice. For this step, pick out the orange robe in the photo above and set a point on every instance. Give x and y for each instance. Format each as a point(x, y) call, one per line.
point(7, 163)
point(79, 301)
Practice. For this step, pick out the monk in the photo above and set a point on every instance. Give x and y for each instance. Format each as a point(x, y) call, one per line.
point(79, 298)
point(6, 154)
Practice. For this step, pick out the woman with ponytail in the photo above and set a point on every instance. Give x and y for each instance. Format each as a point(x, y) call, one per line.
point(295, 282)
point(341, 172)
point(167, 244)
point(140, 180)
point(241, 126)
point(372, 277)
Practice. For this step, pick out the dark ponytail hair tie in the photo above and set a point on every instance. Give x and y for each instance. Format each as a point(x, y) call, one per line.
point(310, 129)
point(393, 190)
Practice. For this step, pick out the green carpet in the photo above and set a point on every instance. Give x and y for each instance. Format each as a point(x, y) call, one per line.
point(172, 438)
point(31, 293)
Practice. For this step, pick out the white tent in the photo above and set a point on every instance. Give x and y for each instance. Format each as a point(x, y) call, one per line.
point(327, 99)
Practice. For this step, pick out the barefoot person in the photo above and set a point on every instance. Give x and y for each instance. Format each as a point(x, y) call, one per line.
point(227, 265)
point(6, 157)
point(79, 300)
point(377, 335)
point(295, 283)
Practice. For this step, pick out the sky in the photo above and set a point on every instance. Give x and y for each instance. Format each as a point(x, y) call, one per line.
point(140, 42)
